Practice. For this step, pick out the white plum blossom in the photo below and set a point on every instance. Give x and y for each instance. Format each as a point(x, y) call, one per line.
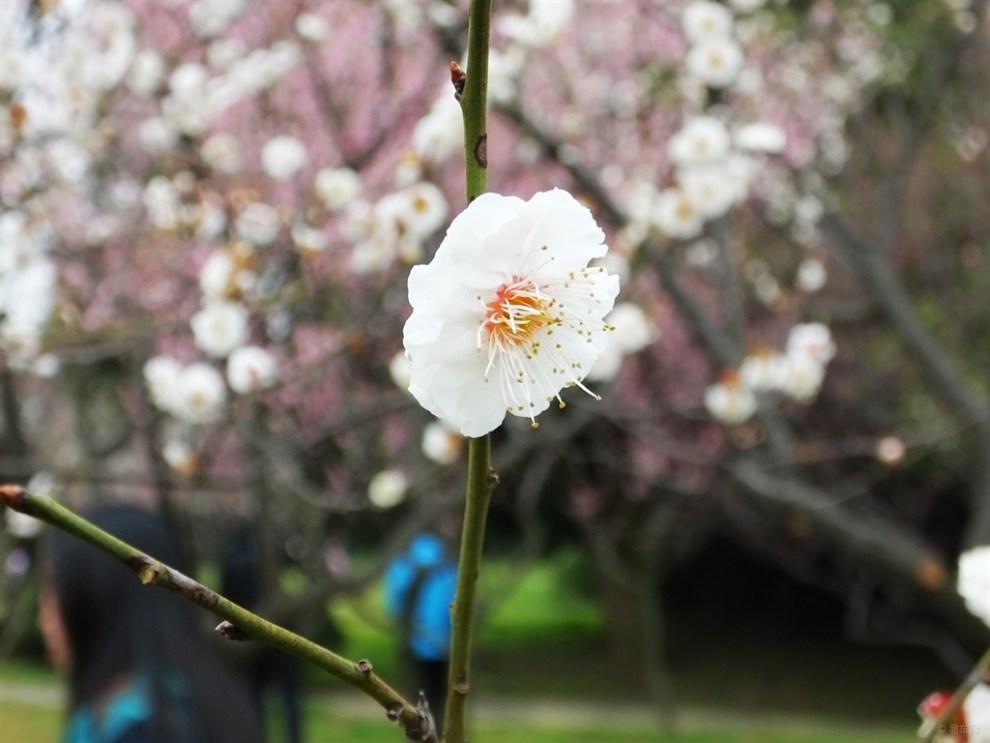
point(211, 18)
point(222, 53)
point(200, 394)
point(508, 313)
point(702, 139)
point(387, 489)
point(804, 377)
point(503, 73)
point(441, 132)
point(764, 370)
point(760, 136)
point(746, 6)
point(179, 455)
point(222, 152)
point(441, 444)
point(716, 62)
point(161, 375)
point(251, 368)
point(220, 327)
point(311, 27)
point(710, 189)
point(811, 275)
point(703, 20)
point(542, 25)
point(194, 393)
point(309, 239)
point(730, 401)
point(676, 216)
point(157, 135)
point(21, 525)
point(337, 187)
point(216, 277)
point(418, 210)
point(147, 71)
point(632, 332)
point(282, 157)
point(161, 201)
point(813, 339)
point(258, 223)
point(890, 450)
point(973, 581)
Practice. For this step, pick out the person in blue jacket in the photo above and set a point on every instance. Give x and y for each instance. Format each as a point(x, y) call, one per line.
point(419, 588)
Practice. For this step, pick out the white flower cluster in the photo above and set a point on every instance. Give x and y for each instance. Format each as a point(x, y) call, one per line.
point(711, 174)
point(714, 56)
point(198, 94)
point(193, 393)
point(797, 373)
point(27, 291)
point(55, 72)
point(542, 25)
point(712, 166)
point(396, 226)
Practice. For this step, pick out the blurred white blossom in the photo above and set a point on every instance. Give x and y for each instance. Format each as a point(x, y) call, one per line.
point(730, 401)
point(702, 139)
point(676, 216)
point(282, 157)
point(811, 339)
point(811, 275)
point(764, 370)
point(760, 136)
point(387, 489)
point(703, 20)
point(251, 368)
point(542, 25)
point(311, 27)
point(716, 62)
point(441, 132)
point(258, 223)
point(200, 394)
point(220, 327)
point(441, 444)
point(337, 187)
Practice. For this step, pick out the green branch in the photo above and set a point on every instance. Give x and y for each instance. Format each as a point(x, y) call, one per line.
point(472, 92)
point(472, 87)
point(239, 624)
point(481, 482)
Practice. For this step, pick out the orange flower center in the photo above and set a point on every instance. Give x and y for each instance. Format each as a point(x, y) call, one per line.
point(517, 312)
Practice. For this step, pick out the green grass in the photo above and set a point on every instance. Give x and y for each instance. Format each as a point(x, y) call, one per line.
point(41, 723)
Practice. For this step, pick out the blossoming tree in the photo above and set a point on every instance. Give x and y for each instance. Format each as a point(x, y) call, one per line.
point(216, 217)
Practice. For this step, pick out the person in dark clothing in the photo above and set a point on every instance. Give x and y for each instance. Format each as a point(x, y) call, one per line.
point(419, 588)
point(139, 668)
